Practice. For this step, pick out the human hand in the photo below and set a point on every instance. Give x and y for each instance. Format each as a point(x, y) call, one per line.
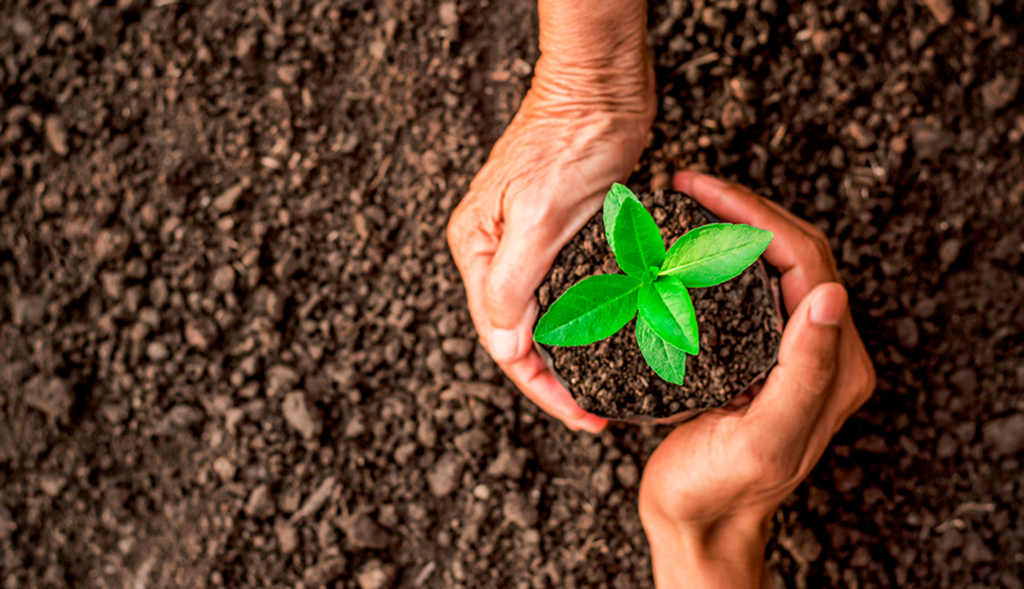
point(711, 487)
point(581, 127)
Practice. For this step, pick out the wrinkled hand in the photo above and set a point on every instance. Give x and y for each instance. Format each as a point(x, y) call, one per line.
point(711, 487)
point(576, 133)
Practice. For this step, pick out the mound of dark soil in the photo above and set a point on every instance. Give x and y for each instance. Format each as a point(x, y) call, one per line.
point(740, 330)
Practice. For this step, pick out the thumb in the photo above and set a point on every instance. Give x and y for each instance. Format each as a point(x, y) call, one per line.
point(520, 263)
point(808, 357)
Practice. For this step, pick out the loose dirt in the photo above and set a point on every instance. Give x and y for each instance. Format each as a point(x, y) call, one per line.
point(740, 326)
point(234, 350)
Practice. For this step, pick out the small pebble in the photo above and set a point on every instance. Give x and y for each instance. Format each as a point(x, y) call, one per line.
point(28, 311)
point(227, 199)
point(52, 484)
point(56, 135)
point(862, 137)
point(259, 504)
point(627, 473)
point(224, 469)
point(472, 442)
point(362, 533)
point(426, 433)
point(288, 74)
point(999, 92)
point(157, 351)
point(200, 333)
point(223, 279)
point(907, 333)
point(448, 13)
point(287, 537)
point(601, 481)
point(375, 575)
point(942, 10)
point(281, 378)
point(325, 571)
point(299, 415)
point(51, 395)
point(1004, 436)
point(518, 510)
point(458, 347)
point(443, 478)
point(949, 251)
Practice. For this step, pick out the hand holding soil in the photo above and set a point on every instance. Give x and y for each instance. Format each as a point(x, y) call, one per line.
point(710, 489)
point(581, 127)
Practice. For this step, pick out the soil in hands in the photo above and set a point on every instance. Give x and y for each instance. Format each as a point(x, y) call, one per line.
point(739, 329)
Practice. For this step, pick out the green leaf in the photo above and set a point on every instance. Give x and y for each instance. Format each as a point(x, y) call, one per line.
point(636, 241)
point(712, 254)
point(666, 360)
point(591, 310)
point(612, 202)
point(668, 309)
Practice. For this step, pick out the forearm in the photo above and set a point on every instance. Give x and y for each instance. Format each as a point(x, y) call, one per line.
point(729, 555)
point(595, 48)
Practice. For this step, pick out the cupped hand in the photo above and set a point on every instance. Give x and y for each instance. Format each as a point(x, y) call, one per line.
point(576, 133)
point(711, 487)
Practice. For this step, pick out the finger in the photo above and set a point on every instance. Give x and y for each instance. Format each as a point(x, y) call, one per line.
point(813, 232)
point(533, 377)
point(736, 203)
point(801, 253)
point(855, 381)
point(472, 248)
point(529, 243)
point(473, 241)
point(789, 405)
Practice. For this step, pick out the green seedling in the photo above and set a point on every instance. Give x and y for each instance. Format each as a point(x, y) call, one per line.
point(655, 284)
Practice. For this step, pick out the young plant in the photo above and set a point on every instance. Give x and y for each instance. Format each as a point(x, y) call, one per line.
point(655, 283)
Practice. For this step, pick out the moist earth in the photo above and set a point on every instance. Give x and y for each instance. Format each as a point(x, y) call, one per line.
point(235, 351)
point(740, 327)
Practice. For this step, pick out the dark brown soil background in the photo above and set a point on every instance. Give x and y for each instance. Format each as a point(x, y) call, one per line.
point(234, 348)
point(739, 322)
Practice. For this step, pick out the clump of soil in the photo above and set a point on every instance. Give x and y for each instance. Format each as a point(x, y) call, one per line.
point(740, 329)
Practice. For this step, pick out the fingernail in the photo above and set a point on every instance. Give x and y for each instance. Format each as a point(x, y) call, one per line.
point(828, 305)
point(592, 423)
point(504, 344)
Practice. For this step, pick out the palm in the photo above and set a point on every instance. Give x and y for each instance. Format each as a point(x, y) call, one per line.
point(707, 447)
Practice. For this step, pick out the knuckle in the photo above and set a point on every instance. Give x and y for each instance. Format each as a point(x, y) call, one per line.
point(868, 383)
point(467, 231)
point(456, 225)
point(816, 244)
point(453, 230)
point(817, 234)
point(823, 246)
point(808, 243)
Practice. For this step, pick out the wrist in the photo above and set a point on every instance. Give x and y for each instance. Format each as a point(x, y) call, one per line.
point(595, 55)
point(626, 90)
point(708, 555)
